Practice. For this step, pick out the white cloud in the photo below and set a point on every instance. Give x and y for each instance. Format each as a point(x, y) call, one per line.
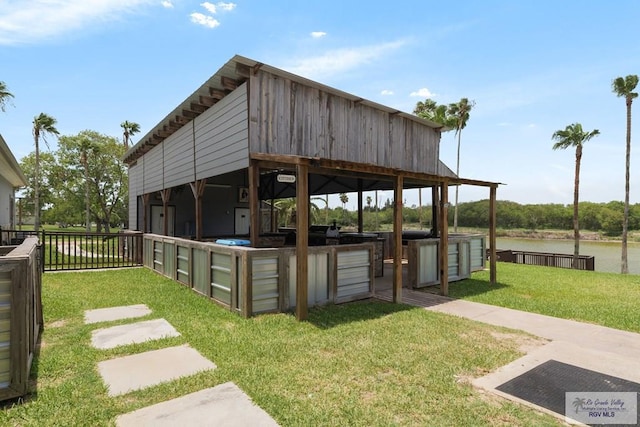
point(423, 93)
point(167, 4)
point(205, 20)
point(210, 7)
point(228, 7)
point(32, 21)
point(386, 92)
point(338, 61)
point(318, 34)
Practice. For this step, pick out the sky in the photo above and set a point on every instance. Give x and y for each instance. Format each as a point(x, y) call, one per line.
point(531, 67)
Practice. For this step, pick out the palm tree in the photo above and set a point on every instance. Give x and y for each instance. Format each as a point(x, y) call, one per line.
point(129, 129)
point(574, 136)
point(344, 199)
point(624, 87)
point(4, 95)
point(430, 110)
point(43, 124)
point(459, 112)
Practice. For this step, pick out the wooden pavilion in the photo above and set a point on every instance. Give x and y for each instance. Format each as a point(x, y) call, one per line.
point(253, 133)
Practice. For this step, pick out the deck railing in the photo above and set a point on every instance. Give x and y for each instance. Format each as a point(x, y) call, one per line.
point(585, 262)
point(65, 250)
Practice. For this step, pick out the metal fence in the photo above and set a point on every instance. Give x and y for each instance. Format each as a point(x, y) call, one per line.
point(64, 250)
point(68, 250)
point(585, 262)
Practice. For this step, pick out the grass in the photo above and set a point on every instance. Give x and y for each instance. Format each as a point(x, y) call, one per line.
point(608, 299)
point(369, 363)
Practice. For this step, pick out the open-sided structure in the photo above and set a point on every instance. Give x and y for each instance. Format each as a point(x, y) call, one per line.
point(254, 133)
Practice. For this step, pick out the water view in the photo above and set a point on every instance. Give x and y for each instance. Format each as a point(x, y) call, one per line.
point(607, 254)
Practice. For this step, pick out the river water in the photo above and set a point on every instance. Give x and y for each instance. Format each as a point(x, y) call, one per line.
point(607, 254)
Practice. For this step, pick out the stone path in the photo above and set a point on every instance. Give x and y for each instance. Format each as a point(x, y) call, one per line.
point(223, 405)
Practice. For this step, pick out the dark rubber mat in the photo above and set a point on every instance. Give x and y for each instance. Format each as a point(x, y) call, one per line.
point(546, 384)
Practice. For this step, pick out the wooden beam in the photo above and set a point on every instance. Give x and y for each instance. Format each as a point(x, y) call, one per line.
point(190, 114)
point(182, 120)
point(198, 108)
point(492, 235)
point(207, 101)
point(302, 241)
point(217, 94)
point(254, 203)
point(243, 70)
point(360, 206)
point(197, 188)
point(228, 83)
point(397, 239)
point(166, 195)
point(444, 239)
point(145, 214)
point(434, 210)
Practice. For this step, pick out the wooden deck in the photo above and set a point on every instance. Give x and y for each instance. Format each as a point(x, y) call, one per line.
point(426, 297)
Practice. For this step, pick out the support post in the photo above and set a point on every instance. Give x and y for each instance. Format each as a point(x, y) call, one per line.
point(145, 212)
point(492, 235)
point(435, 212)
point(166, 195)
point(360, 213)
point(397, 238)
point(444, 238)
point(254, 203)
point(302, 240)
point(197, 188)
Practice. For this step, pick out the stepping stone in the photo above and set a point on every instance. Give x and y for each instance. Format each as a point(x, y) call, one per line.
point(128, 373)
point(132, 333)
point(115, 313)
point(223, 405)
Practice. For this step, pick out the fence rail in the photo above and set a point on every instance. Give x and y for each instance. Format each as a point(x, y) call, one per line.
point(68, 250)
point(584, 262)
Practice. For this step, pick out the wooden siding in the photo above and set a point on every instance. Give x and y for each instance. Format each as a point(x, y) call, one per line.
point(153, 179)
point(178, 157)
point(135, 190)
point(222, 135)
point(6, 286)
point(289, 118)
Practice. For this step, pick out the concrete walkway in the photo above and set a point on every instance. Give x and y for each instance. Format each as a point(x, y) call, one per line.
point(594, 347)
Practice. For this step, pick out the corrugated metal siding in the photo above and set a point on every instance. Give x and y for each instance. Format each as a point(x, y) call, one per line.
point(178, 157)
point(222, 136)
point(158, 258)
point(354, 271)
point(183, 270)
point(318, 281)
point(454, 260)
point(169, 263)
point(5, 328)
point(221, 277)
point(293, 119)
point(477, 251)
point(428, 270)
point(200, 271)
point(153, 179)
point(264, 280)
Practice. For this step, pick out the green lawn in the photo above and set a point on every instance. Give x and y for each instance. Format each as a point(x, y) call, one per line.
point(607, 299)
point(368, 363)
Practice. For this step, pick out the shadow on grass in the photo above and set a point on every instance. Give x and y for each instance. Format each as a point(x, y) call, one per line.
point(330, 316)
point(470, 287)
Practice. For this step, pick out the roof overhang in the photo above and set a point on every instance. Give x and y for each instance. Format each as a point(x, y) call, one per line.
point(232, 74)
point(9, 167)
